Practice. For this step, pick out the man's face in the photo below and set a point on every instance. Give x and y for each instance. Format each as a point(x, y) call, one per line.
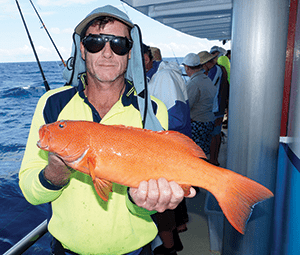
point(188, 70)
point(148, 64)
point(105, 65)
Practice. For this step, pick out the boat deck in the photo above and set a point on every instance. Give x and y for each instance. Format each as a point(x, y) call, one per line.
point(196, 239)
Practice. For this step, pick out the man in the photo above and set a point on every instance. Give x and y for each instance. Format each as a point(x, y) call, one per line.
point(201, 93)
point(222, 59)
point(228, 55)
point(156, 53)
point(218, 76)
point(165, 83)
point(81, 222)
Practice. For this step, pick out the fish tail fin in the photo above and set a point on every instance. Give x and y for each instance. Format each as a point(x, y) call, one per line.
point(241, 195)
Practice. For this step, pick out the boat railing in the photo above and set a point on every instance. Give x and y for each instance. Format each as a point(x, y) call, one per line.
point(27, 241)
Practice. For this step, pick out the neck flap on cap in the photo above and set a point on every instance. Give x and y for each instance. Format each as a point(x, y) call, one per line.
point(135, 70)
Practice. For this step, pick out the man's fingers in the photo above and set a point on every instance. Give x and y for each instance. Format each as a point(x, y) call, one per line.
point(140, 194)
point(159, 195)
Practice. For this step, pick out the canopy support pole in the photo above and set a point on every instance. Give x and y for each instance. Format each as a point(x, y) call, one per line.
point(259, 40)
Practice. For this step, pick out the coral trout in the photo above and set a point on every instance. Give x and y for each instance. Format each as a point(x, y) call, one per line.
point(127, 156)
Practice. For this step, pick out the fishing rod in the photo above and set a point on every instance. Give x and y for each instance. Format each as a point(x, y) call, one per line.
point(35, 54)
point(61, 58)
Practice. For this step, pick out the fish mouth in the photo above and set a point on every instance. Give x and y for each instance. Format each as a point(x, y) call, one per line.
point(44, 134)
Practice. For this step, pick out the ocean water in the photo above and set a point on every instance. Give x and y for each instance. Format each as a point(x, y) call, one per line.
point(21, 85)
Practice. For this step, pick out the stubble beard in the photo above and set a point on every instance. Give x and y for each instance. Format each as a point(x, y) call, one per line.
point(110, 80)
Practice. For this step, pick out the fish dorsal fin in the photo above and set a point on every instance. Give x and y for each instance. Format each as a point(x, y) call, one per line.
point(185, 141)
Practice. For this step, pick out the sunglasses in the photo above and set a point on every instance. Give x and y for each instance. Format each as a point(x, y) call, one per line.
point(95, 43)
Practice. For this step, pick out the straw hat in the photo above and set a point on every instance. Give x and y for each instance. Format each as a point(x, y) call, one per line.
point(205, 56)
point(156, 53)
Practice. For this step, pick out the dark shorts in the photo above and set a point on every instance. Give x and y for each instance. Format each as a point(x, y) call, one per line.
point(217, 130)
point(202, 133)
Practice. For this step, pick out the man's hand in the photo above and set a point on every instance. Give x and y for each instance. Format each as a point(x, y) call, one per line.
point(158, 195)
point(57, 172)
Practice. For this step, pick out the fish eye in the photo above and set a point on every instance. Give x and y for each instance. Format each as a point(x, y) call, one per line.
point(61, 125)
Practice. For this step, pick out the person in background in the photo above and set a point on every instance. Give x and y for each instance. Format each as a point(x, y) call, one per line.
point(228, 55)
point(218, 76)
point(81, 222)
point(222, 60)
point(156, 53)
point(165, 83)
point(201, 94)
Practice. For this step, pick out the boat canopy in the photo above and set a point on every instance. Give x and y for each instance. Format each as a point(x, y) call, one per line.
point(210, 19)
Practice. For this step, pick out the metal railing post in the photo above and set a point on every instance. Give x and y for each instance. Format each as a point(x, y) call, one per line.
point(28, 240)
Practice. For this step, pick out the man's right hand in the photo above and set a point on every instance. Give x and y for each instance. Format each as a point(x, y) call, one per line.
point(57, 172)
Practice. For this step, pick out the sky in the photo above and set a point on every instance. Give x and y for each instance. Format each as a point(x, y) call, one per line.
point(61, 17)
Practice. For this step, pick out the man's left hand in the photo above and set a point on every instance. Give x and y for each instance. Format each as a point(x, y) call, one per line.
point(158, 195)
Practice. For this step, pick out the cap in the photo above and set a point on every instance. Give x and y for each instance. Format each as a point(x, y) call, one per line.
point(205, 56)
point(106, 10)
point(191, 59)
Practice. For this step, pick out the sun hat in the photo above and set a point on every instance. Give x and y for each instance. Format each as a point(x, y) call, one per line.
point(205, 56)
point(135, 69)
point(156, 53)
point(191, 59)
point(107, 10)
point(215, 49)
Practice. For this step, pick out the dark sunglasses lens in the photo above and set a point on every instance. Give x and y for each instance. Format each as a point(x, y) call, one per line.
point(93, 44)
point(120, 46)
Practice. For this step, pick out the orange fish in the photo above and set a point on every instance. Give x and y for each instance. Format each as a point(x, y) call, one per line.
point(127, 156)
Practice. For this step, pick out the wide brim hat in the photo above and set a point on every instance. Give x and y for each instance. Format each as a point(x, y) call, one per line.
point(205, 57)
point(109, 11)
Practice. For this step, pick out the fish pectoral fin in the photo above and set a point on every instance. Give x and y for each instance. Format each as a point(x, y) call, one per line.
point(103, 187)
point(186, 189)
